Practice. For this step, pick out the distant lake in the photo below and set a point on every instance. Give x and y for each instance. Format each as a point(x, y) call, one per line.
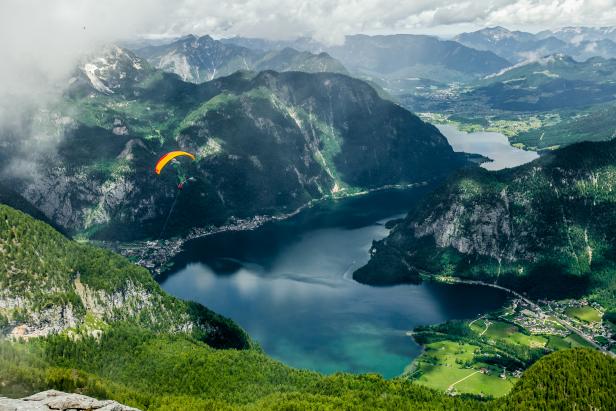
point(288, 283)
point(492, 145)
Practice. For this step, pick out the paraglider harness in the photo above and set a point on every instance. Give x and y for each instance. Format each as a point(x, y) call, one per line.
point(184, 181)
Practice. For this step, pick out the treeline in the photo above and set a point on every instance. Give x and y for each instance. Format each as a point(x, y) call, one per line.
point(578, 379)
point(171, 372)
point(165, 372)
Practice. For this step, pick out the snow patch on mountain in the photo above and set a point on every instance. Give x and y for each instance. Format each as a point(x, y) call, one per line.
point(91, 71)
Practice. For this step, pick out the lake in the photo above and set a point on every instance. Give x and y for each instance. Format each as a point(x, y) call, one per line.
point(492, 145)
point(289, 284)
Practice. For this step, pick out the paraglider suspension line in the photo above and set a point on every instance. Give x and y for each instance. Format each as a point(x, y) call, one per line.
point(175, 200)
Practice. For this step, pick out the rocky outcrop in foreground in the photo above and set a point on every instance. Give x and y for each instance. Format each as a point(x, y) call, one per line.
point(58, 400)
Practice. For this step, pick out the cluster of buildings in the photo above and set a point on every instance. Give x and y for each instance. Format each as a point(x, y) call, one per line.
point(598, 331)
point(535, 320)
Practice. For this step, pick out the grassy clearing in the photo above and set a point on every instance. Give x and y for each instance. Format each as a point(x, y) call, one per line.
point(486, 384)
point(577, 341)
point(556, 342)
point(586, 314)
point(500, 330)
point(447, 363)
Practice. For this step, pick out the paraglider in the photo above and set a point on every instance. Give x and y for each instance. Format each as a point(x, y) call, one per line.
point(160, 165)
point(162, 162)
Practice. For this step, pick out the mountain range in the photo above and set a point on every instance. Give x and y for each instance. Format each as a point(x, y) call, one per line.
point(397, 62)
point(266, 143)
point(580, 43)
point(199, 59)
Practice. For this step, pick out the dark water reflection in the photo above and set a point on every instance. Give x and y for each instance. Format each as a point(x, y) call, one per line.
point(289, 285)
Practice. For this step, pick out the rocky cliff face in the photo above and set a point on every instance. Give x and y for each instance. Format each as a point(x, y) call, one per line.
point(265, 143)
point(484, 228)
point(58, 400)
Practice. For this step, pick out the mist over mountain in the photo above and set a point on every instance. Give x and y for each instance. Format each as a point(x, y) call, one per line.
point(580, 43)
point(199, 59)
point(581, 34)
point(308, 135)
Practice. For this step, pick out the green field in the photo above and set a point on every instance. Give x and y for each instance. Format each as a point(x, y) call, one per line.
point(558, 343)
point(577, 341)
point(500, 330)
point(586, 314)
point(486, 384)
point(444, 364)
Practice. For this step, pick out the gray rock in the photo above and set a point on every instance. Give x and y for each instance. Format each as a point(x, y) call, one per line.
point(58, 400)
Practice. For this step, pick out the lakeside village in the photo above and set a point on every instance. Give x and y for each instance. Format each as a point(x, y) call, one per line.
point(556, 318)
point(561, 318)
point(522, 323)
point(463, 366)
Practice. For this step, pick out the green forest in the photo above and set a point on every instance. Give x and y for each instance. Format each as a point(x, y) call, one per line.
point(155, 366)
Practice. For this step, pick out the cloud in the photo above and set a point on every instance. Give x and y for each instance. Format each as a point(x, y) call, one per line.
point(329, 20)
point(43, 40)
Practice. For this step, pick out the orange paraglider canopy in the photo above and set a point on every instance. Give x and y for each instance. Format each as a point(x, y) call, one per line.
point(170, 156)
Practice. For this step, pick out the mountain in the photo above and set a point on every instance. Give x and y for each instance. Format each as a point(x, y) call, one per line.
point(581, 34)
point(398, 63)
point(289, 59)
point(551, 82)
point(545, 228)
point(554, 383)
point(518, 46)
point(595, 123)
point(515, 46)
point(53, 285)
point(266, 144)
point(13, 199)
point(199, 59)
point(131, 351)
point(414, 55)
point(254, 43)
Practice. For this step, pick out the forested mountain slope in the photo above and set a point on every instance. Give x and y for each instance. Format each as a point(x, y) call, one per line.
point(145, 361)
point(547, 228)
point(50, 284)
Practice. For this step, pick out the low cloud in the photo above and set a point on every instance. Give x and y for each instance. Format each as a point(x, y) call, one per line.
point(42, 41)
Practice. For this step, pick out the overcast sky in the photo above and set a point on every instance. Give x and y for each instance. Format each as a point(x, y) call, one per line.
point(41, 40)
point(326, 20)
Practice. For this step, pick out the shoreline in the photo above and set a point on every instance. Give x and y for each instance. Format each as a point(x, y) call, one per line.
point(156, 255)
point(535, 306)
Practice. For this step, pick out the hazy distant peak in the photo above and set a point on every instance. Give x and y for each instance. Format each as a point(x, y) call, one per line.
point(111, 66)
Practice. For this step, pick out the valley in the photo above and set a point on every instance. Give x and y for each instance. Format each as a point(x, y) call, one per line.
point(289, 286)
point(307, 206)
